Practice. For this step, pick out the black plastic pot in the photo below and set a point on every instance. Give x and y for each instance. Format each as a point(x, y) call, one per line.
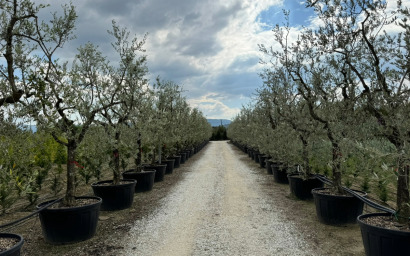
point(70, 225)
point(15, 250)
point(279, 172)
point(183, 157)
point(256, 157)
point(115, 197)
point(170, 165)
point(268, 166)
point(188, 154)
point(337, 209)
point(159, 171)
point(262, 162)
point(250, 153)
point(145, 179)
point(302, 188)
point(177, 162)
point(380, 241)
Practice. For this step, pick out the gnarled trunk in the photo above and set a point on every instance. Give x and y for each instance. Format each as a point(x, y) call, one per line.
point(116, 161)
point(403, 195)
point(70, 190)
point(305, 155)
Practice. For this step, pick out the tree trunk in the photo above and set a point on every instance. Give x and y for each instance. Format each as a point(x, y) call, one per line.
point(69, 198)
point(159, 155)
point(305, 156)
point(337, 174)
point(403, 195)
point(116, 161)
point(139, 153)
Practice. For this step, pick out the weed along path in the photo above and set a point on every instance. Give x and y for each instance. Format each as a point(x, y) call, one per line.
point(224, 205)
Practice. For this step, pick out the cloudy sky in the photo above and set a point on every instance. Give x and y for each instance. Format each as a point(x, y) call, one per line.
point(209, 47)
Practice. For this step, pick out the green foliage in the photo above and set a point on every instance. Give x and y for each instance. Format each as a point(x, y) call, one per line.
point(17, 162)
point(365, 185)
point(219, 133)
point(348, 182)
point(56, 182)
point(382, 190)
point(7, 189)
point(60, 154)
point(93, 153)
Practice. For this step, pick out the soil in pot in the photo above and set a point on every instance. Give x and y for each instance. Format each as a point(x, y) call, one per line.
point(10, 244)
point(115, 197)
point(301, 188)
point(63, 225)
point(279, 172)
point(336, 209)
point(145, 179)
point(382, 235)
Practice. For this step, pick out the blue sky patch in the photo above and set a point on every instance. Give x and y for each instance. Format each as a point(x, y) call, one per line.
point(299, 14)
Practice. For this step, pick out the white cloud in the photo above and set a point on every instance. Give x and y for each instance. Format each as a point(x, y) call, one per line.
point(212, 105)
point(204, 45)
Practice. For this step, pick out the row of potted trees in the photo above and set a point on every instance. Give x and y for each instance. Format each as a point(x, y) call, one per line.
point(103, 113)
point(335, 101)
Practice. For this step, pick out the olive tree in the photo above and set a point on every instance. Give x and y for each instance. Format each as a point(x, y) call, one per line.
point(163, 118)
point(325, 85)
point(198, 129)
point(372, 39)
point(129, 77)
point(281, 94)
point(27, 41)
point(240, 127)
point(24, 35)
point(68, 99)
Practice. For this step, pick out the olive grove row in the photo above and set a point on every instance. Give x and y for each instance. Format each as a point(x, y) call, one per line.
point(98, 112)
point(335, 97)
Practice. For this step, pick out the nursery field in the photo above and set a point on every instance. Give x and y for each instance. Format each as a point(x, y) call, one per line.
point(219, 202)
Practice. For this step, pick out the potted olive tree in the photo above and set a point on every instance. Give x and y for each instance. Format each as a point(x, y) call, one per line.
point(37, 82)
point(160, 129)
point(325, 85)
point(281, 93)
point(129, 78)
point(66, 103)
point(139, 136)
point(379, 64)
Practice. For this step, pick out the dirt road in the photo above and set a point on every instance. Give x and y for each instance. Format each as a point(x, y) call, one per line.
point(220, 202)
point(225, 205)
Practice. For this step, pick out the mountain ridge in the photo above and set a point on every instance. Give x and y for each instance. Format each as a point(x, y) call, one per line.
point(217, 122)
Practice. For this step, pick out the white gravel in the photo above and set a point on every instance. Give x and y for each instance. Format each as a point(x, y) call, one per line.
point(217, 209)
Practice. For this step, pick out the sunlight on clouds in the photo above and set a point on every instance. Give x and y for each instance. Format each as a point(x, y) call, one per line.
point(212, 106)
point(202, 45)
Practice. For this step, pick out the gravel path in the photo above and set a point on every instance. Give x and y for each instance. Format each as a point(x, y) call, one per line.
point(218, 208)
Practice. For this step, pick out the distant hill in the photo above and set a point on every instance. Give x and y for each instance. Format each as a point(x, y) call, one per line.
point(217, 122)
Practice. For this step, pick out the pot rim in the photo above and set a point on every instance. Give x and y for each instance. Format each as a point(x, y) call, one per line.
point(16, 245)
point(98, 183)
point(74, 207)
point(368, 215)
point(315, 191)
point(294, 175)
point(142, 171)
